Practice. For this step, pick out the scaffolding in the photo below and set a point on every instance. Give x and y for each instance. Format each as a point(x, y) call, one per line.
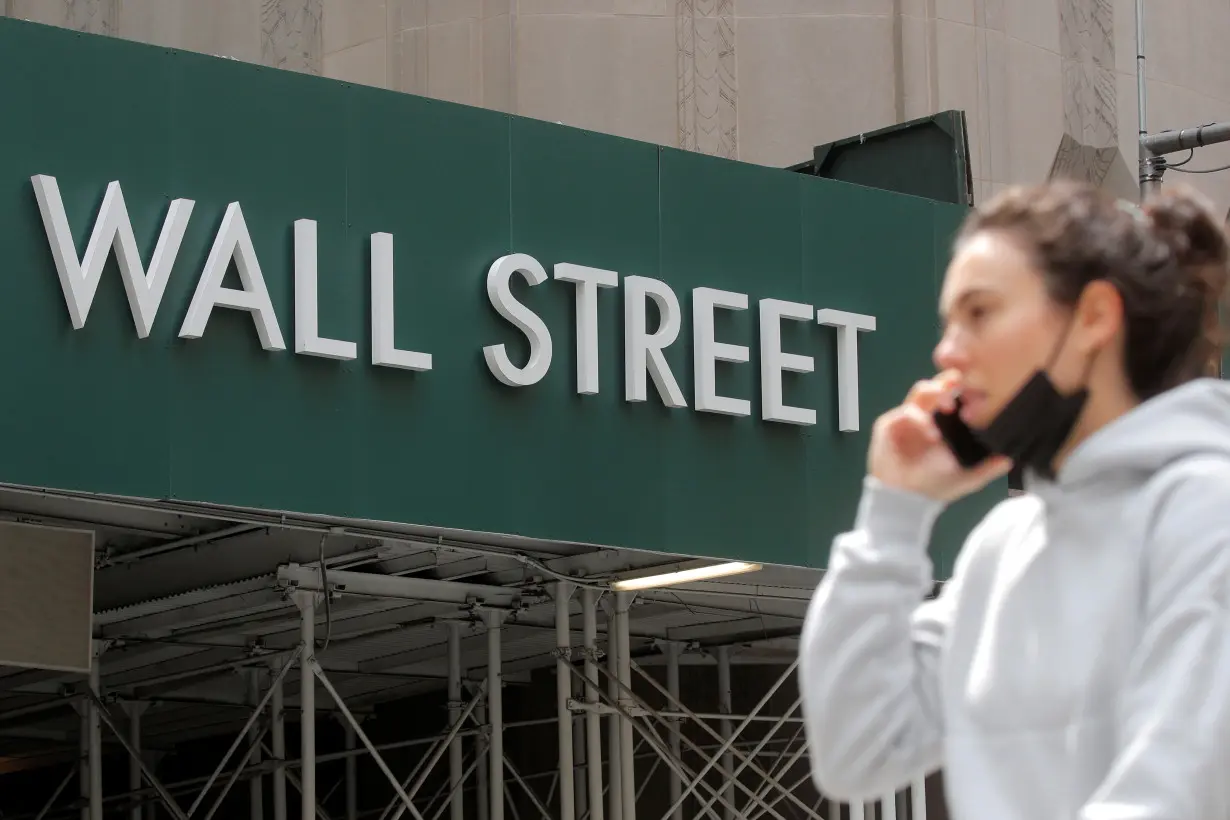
point(375, 621)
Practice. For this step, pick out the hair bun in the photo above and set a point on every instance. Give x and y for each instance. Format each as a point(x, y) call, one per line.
point(1185, 222)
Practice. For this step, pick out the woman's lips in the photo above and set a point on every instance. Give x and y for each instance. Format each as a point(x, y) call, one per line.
point(972, 403)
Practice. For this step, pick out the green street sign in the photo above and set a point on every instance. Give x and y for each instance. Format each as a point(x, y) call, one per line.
point(235, 285)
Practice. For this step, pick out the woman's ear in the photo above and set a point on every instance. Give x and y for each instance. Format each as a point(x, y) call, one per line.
point(1099, 315)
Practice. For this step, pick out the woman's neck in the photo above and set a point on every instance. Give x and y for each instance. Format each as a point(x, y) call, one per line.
point(1104, 406)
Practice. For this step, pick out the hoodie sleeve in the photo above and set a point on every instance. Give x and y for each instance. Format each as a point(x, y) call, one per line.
point(869, 652)
point(1174, 711)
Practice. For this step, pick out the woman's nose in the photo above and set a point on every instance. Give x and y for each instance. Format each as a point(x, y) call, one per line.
point(948, 354)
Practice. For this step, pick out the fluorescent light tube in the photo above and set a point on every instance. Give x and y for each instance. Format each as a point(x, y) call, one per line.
point(685, 576)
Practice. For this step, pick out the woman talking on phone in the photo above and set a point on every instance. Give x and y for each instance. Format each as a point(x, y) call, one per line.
point(1077, 664)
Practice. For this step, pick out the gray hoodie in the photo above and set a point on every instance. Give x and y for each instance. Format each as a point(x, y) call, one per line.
point(1076, 666)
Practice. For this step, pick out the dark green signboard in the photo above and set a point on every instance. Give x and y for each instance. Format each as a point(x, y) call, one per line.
point(200, 410)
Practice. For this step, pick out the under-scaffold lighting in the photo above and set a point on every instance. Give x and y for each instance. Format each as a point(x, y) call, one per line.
point(685, 576)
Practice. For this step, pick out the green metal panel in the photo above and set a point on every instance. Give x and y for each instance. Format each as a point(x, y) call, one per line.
point(927, 157)
point(220, 420)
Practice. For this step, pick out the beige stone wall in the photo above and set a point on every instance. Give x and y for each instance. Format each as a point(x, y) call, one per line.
point(1048, 85)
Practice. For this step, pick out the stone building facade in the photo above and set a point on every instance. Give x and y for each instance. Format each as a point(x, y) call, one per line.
point(1049, 86)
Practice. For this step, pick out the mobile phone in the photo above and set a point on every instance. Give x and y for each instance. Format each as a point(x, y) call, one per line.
point(965, 446)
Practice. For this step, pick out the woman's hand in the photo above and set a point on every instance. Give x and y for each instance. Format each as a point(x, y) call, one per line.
point(908, 453)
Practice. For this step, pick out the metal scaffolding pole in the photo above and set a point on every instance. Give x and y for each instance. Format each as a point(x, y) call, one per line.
point(134, 712)
point(256, 795)
point(495, 710)
point(613, 730)
point(725, 707)
point(277, 714)
point(483, 756)
point(167, 800)
point(84, 761)
point(55, 795)
point(764, 741)
point(96, 805)
point(627, 761)
point(593, 721)
point(425, 766)
point(673, 651)
point(306, 601)
point(730, 743)
point(352, 777)
point(563, 693)
point(456, 773)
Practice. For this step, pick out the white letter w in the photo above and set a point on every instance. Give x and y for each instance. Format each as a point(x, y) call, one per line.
point(79, 278)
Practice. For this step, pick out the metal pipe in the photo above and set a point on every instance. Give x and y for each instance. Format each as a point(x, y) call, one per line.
point(725, 707)
point(764, 741)
point(134, 764)
point(423, 770)
point(627, 763)
point(516, 775)
point(1146, 186)
point(230, 781)
point(256, 796)
point(239, 738)
point(96, 806)
point(277, 711)
point(181, 543)
point(495, 708)
point(480, 781)
point(398, 587)
point(456, 773)
point(563, 694)
point(593, 721)
point(363, 738)
point(158, 787)
point(352, 778)
point(673, 651)
point(83, 785)
point(55, 795)
point(728, 744)
point(307, 701)
point(655, 743)
point(615, 795)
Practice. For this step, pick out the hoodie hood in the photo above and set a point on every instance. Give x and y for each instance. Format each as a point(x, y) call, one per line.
point(1192, 419)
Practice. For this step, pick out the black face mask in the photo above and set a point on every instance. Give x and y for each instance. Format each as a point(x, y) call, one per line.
point(1030, 430)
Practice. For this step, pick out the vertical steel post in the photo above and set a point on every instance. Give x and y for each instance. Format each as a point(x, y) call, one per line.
point(627, 752)
point(96, 795)
point(134, 710)
point(256, 796)
point(673, 651)
point(482, 782)
point(615, 807)
point(495, 710)
point(277, 719)
point(563, 692)
point(84, 760)
point(593, 721)
point(307, 700)
point(352, 776)
point(725, 707)
point(456, 768)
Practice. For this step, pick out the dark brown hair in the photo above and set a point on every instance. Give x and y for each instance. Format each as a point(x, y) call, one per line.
point(1168, 259)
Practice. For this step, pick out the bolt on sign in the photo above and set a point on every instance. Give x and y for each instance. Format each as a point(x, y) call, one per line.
point(235, 285)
